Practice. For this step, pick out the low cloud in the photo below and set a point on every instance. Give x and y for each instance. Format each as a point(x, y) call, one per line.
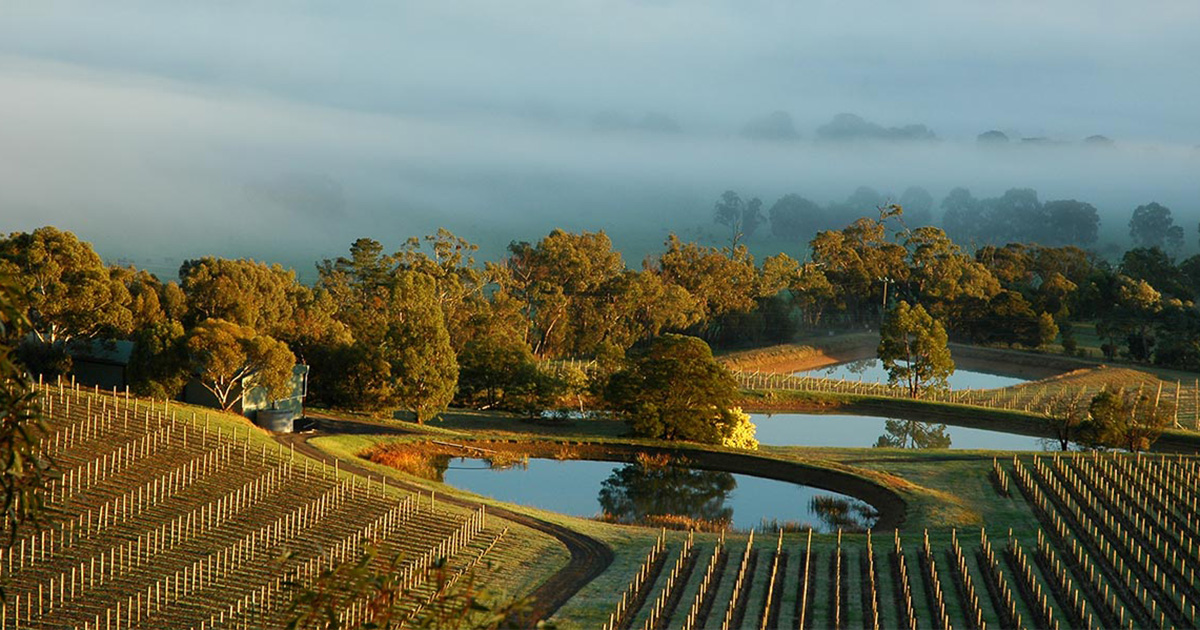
point(285, 130)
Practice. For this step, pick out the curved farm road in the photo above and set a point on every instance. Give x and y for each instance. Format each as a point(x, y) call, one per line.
point(589, 557)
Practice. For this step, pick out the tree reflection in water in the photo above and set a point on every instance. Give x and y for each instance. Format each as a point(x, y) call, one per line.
point(640, 490)
point(849, 515)
point(912, 434)
point(859, 367)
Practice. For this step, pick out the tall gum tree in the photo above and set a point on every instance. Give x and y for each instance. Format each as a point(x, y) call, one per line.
point(862, 262)
point(562, 283)
point(267, 298)
point(721, 281)
point(400, 354)
point(913, 349)
point(223, 354)
point(69, 291)
point(1153, 226)
point(942, 276)
point(417, 345)
point(459, 281)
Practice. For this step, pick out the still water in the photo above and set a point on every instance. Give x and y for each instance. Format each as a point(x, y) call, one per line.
point(871, 371)
point(630, 492)
point(849, 431)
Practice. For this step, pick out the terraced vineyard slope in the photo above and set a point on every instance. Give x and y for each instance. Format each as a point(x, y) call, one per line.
point(170, 517)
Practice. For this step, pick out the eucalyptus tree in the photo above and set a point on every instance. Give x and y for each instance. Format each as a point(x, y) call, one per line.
point(398, 354)
point(226, 356)
point(70, 293)
point(150, 301)
point(1070, 222)
point(644, 305)
point(1017, 215)
point(417, 346)
point(267, 298)
point(459, 282)
point(794, 217)
point(1067, 414)
point(961, 215)
point(721, 281)
point(1158, 269)
point(913, 349)
point(675, 390)
point(741, 216)
point(563, 284)
point(941, 277)
point(1153, 226)
point(918, 206)
point(1132, 316)
point(863, 263)
point(159, 365)
point(24, 469)
point(1126, 418)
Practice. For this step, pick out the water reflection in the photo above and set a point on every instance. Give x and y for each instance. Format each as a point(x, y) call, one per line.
point(860, 367)
point(832, 512)
point(652, 492)
point(872, 371)
point(852, 431)
point(843, 513)
point(913, 434)
point(639, 492)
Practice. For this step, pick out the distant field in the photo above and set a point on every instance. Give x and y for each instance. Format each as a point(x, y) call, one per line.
point(772, 370)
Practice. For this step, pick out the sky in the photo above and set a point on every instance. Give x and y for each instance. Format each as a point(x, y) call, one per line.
point(282, 131)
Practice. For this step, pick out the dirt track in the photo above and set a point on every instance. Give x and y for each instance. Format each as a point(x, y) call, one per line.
point(589, 557)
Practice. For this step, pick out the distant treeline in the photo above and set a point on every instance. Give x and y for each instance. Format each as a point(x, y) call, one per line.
point(426, 324)
point(1017, 216)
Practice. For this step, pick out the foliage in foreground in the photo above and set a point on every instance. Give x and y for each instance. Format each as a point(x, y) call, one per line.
point(373, 582)
point(24, 470)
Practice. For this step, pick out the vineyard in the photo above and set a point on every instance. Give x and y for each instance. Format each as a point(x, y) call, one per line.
point(164, 517)
point(1183, 398)
point(1116, 545)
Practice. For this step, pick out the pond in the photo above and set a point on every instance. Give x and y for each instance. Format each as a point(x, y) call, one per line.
point(630, 493)
point(871, 371)
point(863, 431)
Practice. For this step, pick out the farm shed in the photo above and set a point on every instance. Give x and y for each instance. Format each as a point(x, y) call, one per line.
point(102, 363)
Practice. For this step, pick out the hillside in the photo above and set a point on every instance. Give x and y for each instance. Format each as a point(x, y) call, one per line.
point(165, 516)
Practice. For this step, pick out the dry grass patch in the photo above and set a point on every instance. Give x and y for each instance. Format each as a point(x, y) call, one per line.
point(409, 460)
